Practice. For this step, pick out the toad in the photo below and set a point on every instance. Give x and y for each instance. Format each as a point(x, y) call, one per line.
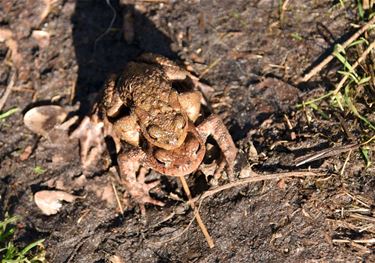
point(144, 110)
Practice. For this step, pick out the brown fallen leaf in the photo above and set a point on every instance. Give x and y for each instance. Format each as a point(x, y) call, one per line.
point(281, 184)
point(91, 133)
point(48, 121)
point(43, 119)
point(7, 36)
point(26, 153)
point(50, 201)
point(116, 259)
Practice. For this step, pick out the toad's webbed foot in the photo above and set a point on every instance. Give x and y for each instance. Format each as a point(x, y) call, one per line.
point(129, 164)
point(214, 126)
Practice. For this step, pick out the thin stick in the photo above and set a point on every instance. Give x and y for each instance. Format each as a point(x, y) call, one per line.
point(357, 199)
point(356, 64)
point(322, 64)
point(363, 217)
point(7, 91)
point(196, 213)
point(253, 179)
point(363, 241)
point(283, 9)
point(368, 141)
point(346, 162)
point(325, 153)
point(212, 65)
point(117, 199)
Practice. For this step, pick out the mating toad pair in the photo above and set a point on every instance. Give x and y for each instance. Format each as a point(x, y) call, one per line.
point(141, 108)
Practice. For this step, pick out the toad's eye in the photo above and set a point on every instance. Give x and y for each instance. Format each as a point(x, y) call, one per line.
point(179, 122)
point(155, 131)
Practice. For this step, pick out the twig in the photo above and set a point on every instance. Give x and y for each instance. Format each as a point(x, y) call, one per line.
point(363, 241)
point(322, 64)
point(84, 214)
point(329, 152)
point(253, 179)
point(283, 9)
point(366, 4)
point(325, 153)
point(117, 199)
point(212, 65)
point(346, 162)
point(358, 199)
point(354, 66)
point(7, 91)
point(196, 213)
point(362, 217)
point(368, 141)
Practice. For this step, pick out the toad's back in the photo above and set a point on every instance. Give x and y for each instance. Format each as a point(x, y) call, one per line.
point(144, 86)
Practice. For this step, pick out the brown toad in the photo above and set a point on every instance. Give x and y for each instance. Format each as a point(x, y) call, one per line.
point(145, 111)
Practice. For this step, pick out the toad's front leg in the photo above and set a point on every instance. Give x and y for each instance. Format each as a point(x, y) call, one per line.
point(214, 126)
point(130, 163)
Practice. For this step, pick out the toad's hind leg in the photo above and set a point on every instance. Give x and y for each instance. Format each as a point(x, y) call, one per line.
point(214, 126)
point(129, 164)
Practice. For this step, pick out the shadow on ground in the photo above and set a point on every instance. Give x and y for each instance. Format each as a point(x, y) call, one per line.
point(100, 47)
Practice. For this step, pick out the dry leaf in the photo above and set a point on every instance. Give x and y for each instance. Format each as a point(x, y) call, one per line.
point(50, 201)
point(7, 36)
point(116, 259)
point(91, 135)
point(43, 119)
point(281, 184)
point(26, 153)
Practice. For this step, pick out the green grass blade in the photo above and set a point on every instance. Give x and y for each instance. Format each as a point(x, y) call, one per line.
point(361, 12)
point(357, 42)
point(365, 154)
point(30, 246)
point(354, 110)
point(8, 113)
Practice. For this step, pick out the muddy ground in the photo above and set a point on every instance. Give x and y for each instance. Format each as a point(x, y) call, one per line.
point(253, 59)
